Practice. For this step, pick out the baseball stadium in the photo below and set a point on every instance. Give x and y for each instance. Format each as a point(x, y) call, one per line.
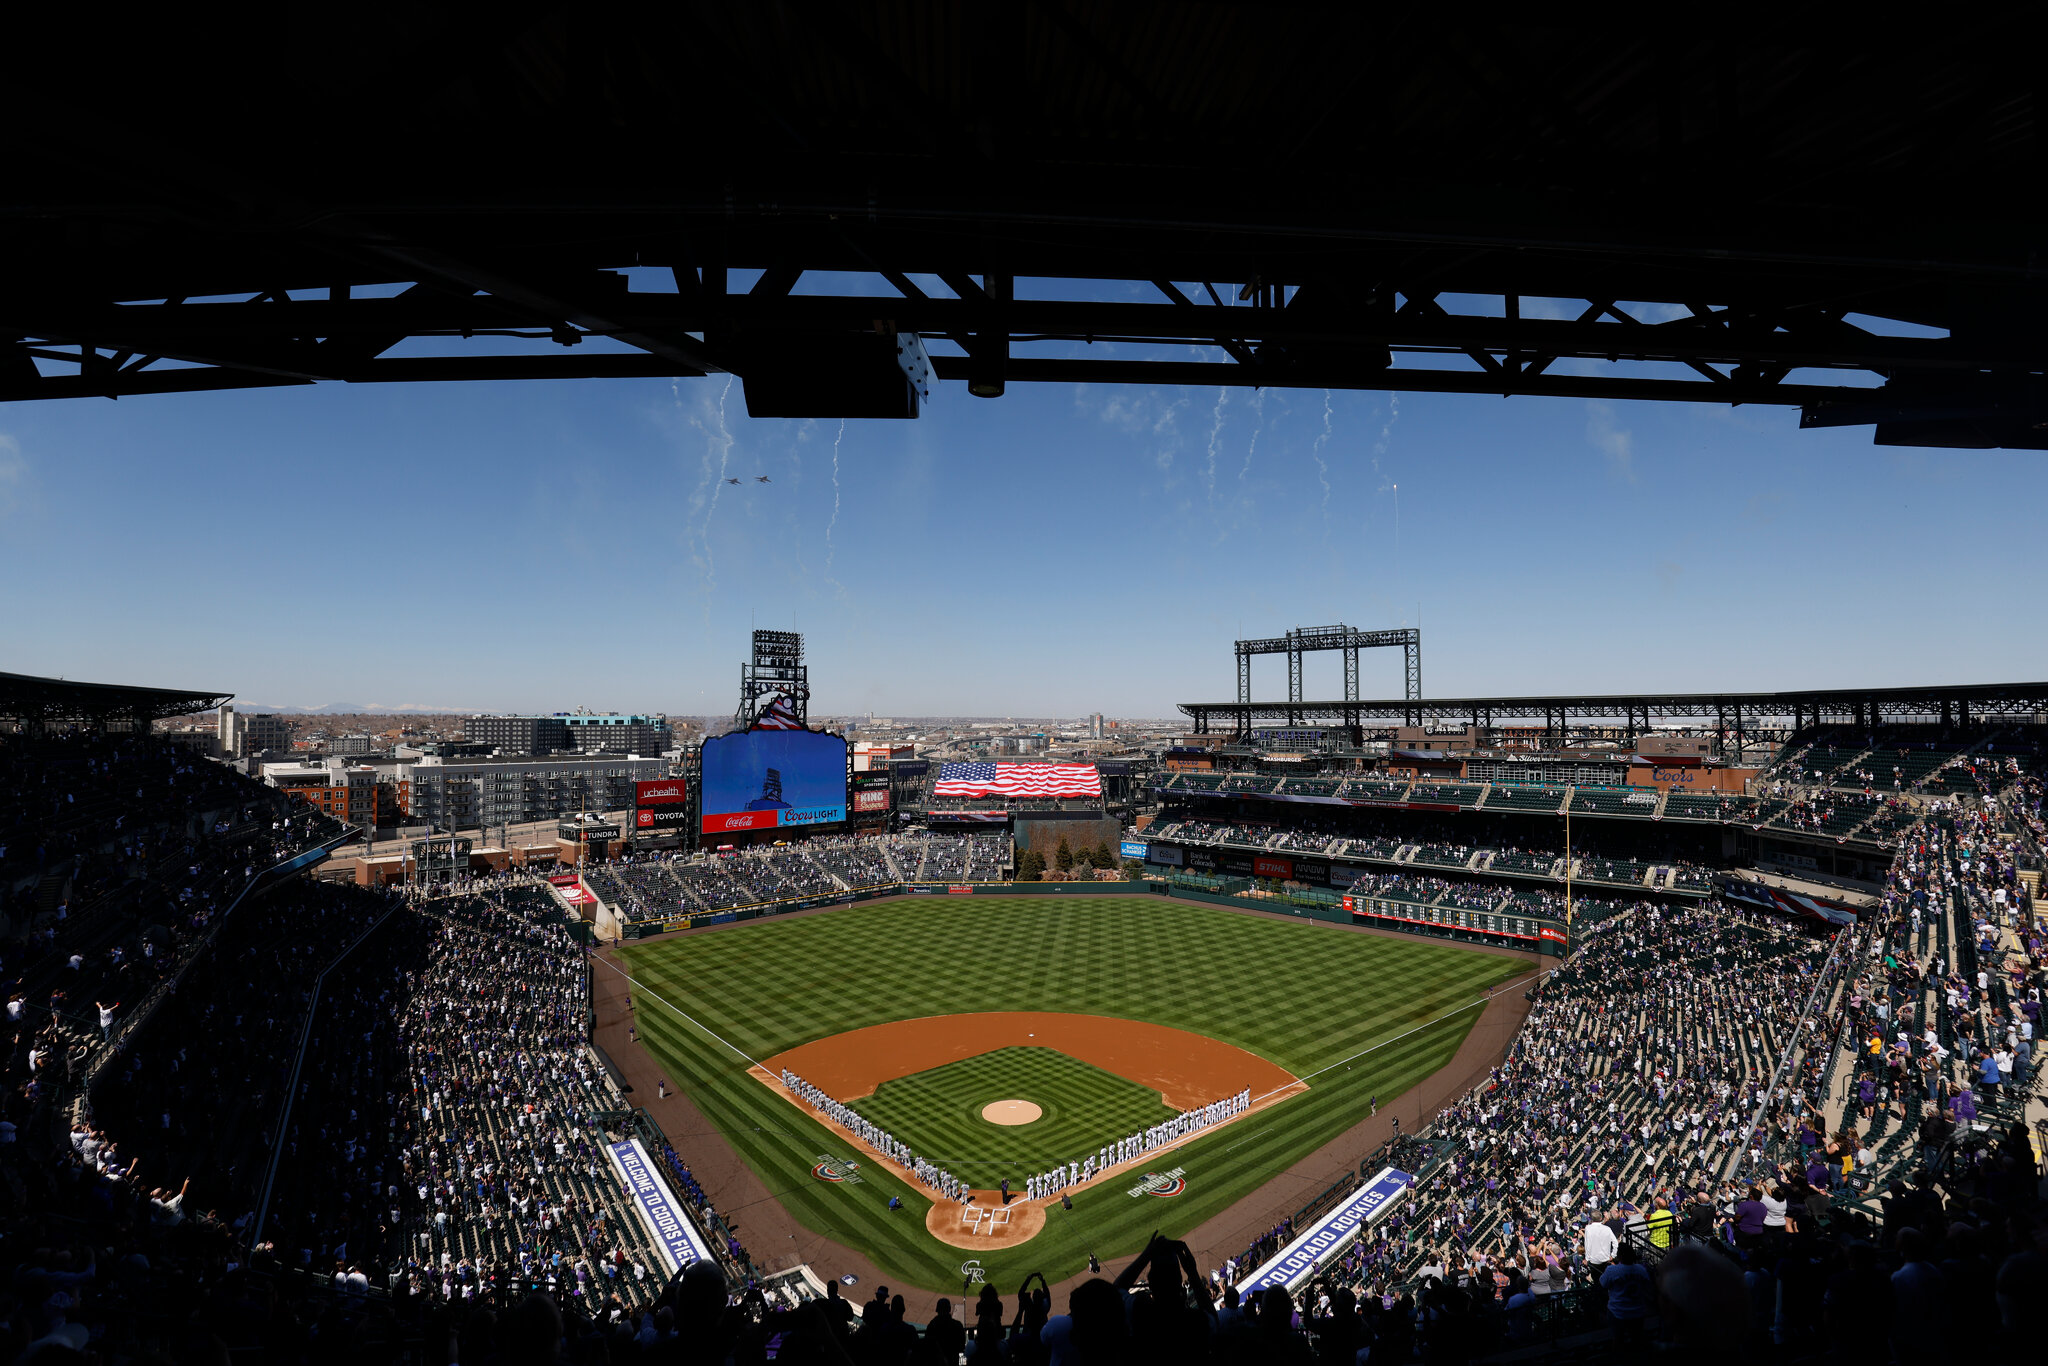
point(1664, 986)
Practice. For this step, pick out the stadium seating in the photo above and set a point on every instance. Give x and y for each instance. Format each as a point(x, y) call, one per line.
point(1376, 789)
point(1620, 872)
point(1613, 801)
point(1510, 797)
point(1708, 806)
point(1442, 856)
point(855, 862)
point(1448, 794)
point(1533, 865)
point(1311, 787)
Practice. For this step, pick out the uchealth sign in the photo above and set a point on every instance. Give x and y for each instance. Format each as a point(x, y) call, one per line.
point(666, 792)
point(1298, 1261)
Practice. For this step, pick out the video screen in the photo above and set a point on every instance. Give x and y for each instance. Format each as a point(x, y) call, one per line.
point(768, 779)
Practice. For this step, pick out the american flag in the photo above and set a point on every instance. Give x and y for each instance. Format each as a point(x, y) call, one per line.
point(778, 715)
point(1018, 780)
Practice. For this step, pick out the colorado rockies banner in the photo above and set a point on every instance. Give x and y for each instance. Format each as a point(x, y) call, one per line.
point(680, 1243)
point(1299, 1259)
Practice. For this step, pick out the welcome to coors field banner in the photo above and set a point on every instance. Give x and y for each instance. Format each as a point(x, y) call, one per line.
point(1297, 1261)
point(680, 1243)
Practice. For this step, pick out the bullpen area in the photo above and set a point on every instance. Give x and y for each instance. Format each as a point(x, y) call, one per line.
point(999, 1037)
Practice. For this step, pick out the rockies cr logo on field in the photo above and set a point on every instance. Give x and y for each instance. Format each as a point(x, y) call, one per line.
point(836, 1169)
point(970, 1272)
point(1164, 1185)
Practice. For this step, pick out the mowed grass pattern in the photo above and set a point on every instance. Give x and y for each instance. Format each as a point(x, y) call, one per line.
point(938, 1113)
point(1303, 994)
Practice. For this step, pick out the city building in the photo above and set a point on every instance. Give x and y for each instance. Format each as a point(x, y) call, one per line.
point(1095, 726)
point(869, 754)
point(352, 744)
point(519, 734)
point(244, 734)
point(470, 793)
point(356, 793)
point(591, 733)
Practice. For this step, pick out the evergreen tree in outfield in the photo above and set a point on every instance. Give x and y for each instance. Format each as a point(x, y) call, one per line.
point(1031, 867)
point(1103, 858)
point(1063, 857)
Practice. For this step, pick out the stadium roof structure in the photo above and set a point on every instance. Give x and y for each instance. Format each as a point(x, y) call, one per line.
point(836, 202)
point(36, 702)
point(1730, 711)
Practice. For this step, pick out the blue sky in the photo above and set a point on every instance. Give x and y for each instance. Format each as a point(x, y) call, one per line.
point(1058, 551)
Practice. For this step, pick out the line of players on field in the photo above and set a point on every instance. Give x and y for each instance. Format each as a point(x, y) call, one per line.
point(1136, 1146)
point(876, 1137)
point(1041, 1187)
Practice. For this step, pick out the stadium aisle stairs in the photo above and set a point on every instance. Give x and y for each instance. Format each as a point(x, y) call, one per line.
point(837, 881)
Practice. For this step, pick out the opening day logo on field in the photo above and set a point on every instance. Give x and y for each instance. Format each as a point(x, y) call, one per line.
point(836, 1169)
point(1164, 1185)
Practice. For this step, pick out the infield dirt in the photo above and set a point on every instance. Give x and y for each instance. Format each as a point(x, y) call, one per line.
point(1186, 1069)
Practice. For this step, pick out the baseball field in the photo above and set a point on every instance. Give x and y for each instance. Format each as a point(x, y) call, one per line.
point(998, 1036)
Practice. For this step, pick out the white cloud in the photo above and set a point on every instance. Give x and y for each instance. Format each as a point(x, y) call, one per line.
point(1615, 442)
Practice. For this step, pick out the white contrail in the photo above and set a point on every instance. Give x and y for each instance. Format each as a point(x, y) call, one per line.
point(1315, 449)
point(1215, 439)
point(1258, 425)
point(723, 441)
point(835, 500)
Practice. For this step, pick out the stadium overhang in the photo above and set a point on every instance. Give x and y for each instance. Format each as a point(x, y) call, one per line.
point(837, 202)
point(1727, 711)
point(35, 703)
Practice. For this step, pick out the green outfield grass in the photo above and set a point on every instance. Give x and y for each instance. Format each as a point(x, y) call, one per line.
point(939, 1112)
point(1302, 994)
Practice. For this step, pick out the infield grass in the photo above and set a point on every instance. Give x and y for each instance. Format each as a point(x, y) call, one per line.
point(938, 1112)
point(1302, 994)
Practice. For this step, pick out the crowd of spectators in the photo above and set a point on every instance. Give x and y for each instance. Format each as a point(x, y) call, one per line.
point(455, 1141)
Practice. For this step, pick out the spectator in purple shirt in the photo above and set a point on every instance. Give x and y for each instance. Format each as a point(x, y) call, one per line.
point(1749, 1219)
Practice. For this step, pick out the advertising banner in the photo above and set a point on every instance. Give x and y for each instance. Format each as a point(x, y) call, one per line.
point(652, 818)
point(910, 768)
point(666, 792)
point(1133, 849)
point(1297, 1261)
point(1162, 853)
point(1240, 864)
point(870, 792)
point(1201, 858)
point(1273, 867)
point(674, 1235)
point(771, 779)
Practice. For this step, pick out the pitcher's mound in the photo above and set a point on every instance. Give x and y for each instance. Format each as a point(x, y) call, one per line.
point(1010, 1112)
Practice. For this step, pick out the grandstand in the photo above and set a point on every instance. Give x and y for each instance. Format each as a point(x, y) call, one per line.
point(671, 889)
